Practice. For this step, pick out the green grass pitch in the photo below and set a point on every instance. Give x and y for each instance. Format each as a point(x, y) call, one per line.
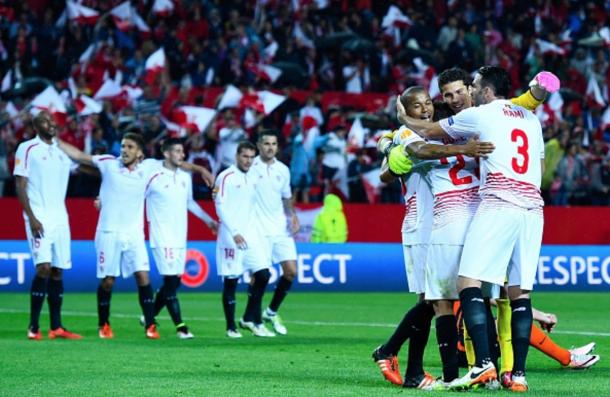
point(327, 351)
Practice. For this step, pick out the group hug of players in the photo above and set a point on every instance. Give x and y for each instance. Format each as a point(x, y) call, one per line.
point(472, 231)
point(252, 198)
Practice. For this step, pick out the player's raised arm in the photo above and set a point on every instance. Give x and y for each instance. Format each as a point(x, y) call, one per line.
point(75, 154)
point(205, 174)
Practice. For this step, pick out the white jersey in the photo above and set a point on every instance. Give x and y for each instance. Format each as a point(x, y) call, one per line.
point(273, 187)
point(455, 184)
point(236, 203)
point(122, 193)
point(417, 224)
point(511, 175)
point(167, 197)
point(48, 170)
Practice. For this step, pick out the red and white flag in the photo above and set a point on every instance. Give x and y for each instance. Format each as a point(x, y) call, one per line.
point(230, 98)
point(372, 185)
point(298, 34)
point(86, 106)
point(396, 18)
point(605, 123)
point(546, 47)
point(125, 16)
point(265, 72)
point(154, 65)
point(594, 94)
point(133, 92)
point(604, 33)
point(11, 109)
point(87, 54)
point(80, 13)
point(109, 90)
point(6, 81)
point(263, 101)
point(50, 101)
point(163, 8)
point(194, 117)
point(355, 137)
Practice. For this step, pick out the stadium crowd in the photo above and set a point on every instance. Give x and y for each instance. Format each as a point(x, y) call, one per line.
point(370, 50)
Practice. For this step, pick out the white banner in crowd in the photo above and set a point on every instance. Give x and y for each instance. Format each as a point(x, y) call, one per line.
point(306, 218)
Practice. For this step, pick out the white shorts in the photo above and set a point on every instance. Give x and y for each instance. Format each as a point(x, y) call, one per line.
point(415, 265)
point(282, 248)
point(120, 253)
point(170, 261)
point(231, 262)
point(500, 242)
point(442, 271)
point(53, 248)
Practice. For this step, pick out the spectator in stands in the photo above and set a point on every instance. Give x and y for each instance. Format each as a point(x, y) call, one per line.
point(229, 137)
point(335, 151)
point(330, 225)
point(554, 150)
point(316, 193)
point(357, 77)
point(571, 177)
point(355, 169)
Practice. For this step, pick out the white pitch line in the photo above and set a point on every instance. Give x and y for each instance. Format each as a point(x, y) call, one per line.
point(318, 323)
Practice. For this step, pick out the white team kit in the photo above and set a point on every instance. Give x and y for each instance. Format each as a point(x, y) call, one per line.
point(506, 231)
point(119, 238)
point(48, 170)
point(455, 184)
point(417, 224)
point(273, 187)
point(236, 197)
point(169, 196)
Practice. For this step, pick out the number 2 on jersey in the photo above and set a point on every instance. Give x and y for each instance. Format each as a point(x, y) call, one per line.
point(522, 150)
point(453, 171)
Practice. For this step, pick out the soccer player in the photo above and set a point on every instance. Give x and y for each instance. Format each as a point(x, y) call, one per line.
point(416, 230)
point(239, 247)
point(274, 201)
point(41, 173)
point(119, 239)
point(506, 233)
point(169, 197)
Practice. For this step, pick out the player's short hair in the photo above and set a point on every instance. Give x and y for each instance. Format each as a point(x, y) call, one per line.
point(453, 75)
point(169, 143)
point(137, 138)
point(265, 133)
point(404, 98)
point(441, 111)
point(245, 145)
point(496, 78)
point(37, 119)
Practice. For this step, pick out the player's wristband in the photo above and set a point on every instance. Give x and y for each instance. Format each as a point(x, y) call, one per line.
point(387, 148)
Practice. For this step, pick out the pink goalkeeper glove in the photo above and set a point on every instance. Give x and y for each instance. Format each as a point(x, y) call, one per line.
point(546, 80)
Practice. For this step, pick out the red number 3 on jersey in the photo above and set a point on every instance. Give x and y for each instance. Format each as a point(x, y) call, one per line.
point(522, 150)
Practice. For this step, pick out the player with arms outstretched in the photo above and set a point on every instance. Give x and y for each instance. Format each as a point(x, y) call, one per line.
point(119, 239)
point(42, 172)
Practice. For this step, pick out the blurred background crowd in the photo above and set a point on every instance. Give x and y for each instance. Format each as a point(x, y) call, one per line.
point(323, 73)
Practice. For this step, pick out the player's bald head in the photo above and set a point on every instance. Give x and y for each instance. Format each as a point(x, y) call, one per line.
point(409, 94)
point(40, 117)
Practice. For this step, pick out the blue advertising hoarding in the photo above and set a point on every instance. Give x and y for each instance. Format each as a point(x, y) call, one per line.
point(352, 267)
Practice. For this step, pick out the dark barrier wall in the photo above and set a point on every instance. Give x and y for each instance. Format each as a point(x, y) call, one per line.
point(321, 267)
point(372, 223)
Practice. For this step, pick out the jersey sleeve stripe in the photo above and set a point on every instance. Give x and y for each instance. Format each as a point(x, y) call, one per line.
point(27, 153)
point(149, 182)
point(107, 158)
point(222, 191)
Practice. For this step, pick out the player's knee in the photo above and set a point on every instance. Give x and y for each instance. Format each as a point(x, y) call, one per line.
point(56, 273)
point(142, 279)
point(107, 283)
point(289, 269)
point(262, 277)
point(43, 270)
